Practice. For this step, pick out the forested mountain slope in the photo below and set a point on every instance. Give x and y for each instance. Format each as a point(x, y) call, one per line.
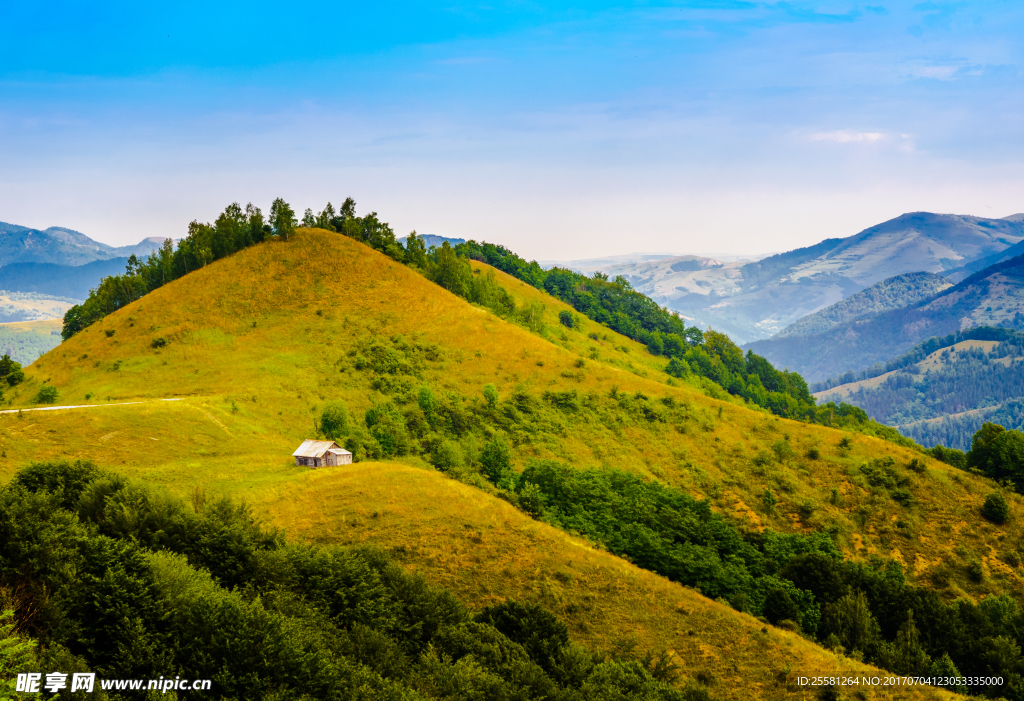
point(991, 297)
point(943, 391)
point(894, 293)
point(265, 345)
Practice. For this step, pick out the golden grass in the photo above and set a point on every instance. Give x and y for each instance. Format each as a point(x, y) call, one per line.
point(259, 341)
point(267, 331)
point(480, 547)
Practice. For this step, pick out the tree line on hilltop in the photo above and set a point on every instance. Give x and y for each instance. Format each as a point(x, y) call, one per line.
point(613, 303)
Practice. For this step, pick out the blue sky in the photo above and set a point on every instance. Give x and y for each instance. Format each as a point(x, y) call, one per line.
point(562, 130)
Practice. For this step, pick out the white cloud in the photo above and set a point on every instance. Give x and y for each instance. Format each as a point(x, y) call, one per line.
point(899, 142)
point(849, 137)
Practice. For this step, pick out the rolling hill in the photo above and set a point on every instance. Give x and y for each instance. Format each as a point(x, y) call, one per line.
point(255, 345)
point(754, 300)
point(991, 297)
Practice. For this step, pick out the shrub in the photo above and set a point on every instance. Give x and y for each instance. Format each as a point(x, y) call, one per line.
point(850, 620)
point(448, 456)
point(903, 496)
point(677, 368)
point(47, 395)
point(426, 400)
point(779, 606)
point(817, 573)
point(995, 508)
point(565, 317)
point(541, 634)
point(159, 342)
point(334, 421)
point(813, 454)
point(950, 456)
point(783, 451)
point(387, 426)
point(496, 459)
point(531, 499)
point(11, 371)
point(491, 395)
point(806, 509)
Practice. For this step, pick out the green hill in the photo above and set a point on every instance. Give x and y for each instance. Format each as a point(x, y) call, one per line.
point(258, 344)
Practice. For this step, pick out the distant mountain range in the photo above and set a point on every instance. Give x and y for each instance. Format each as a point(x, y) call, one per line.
point(433, 241)
point(72, 281)
point(991, 297)
point(59, 262)
point(60, 246)
point(755, 299)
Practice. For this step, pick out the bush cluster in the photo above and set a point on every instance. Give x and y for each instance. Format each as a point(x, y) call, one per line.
point(865, 609)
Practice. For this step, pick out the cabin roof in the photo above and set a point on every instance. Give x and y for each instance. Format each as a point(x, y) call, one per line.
point(314, 449)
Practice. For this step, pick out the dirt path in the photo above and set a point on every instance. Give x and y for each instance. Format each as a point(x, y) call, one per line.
point(89, 406)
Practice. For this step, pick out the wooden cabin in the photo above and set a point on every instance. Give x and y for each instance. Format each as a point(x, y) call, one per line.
point(321, 454)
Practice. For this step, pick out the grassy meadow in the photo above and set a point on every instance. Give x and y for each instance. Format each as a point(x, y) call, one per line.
point(256, 344)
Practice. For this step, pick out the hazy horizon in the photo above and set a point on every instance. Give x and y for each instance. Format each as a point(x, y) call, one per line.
point(564, 132)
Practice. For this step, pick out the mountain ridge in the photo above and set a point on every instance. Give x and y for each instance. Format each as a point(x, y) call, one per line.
point(752, 301)
point(992, 297)
point(62, 246)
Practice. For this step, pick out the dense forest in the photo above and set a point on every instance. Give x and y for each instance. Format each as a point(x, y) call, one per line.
point(946, 405)
point(614, 303)
point(891, 293)
point(956, 431)
point(102, 574)
point(923, 350)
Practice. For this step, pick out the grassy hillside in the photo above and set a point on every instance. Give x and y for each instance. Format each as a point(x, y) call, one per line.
point(259, 342)
point(478, 546)
point(271, 336)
